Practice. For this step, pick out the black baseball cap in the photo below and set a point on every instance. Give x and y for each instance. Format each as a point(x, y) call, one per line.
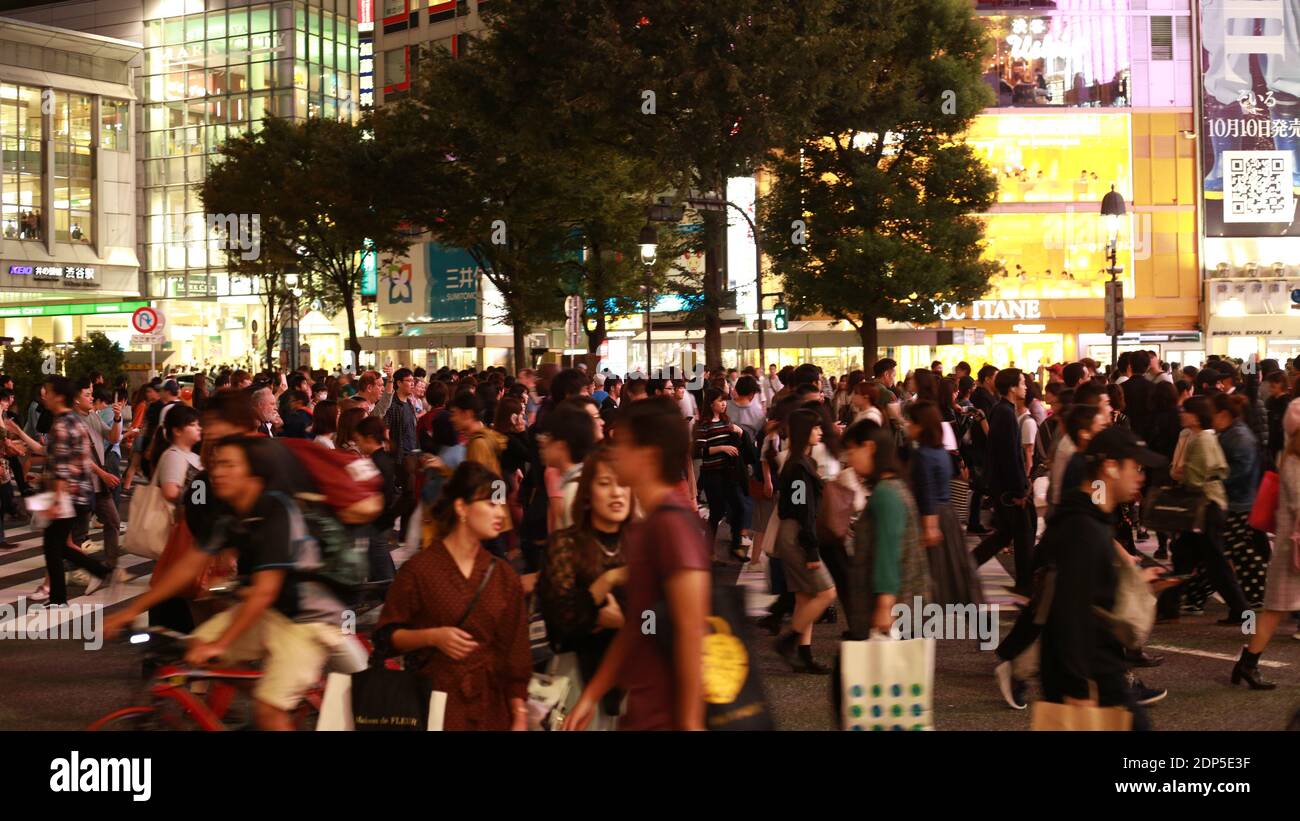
point(172, 386)
point(1121, 443)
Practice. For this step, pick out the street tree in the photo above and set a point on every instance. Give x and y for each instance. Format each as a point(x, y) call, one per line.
point(872, 216)
point(705, 91)
point(319, 190)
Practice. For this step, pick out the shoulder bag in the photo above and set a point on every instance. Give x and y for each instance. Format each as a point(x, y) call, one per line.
point(149, 521)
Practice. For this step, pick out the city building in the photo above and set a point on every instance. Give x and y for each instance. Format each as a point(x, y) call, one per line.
point(1249, 174)
point(211, 69)
point(68, 258)
point(1090, 95)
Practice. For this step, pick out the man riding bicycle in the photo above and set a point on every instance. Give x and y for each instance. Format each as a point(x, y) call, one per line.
point(287, 619)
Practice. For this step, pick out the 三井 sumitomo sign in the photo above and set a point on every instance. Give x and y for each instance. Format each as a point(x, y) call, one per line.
point(453, 284)
point(1250, 126)
point(992, 309)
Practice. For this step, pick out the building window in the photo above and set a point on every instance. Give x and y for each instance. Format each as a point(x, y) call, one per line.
point(23, 162)
point(73, 168)
point(1162, 38)
point(114, 125)
point(395, 69)
point(1040, 60)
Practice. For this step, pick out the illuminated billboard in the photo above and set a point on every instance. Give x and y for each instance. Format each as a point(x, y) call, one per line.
point(1073, 157)
point(1250, 126)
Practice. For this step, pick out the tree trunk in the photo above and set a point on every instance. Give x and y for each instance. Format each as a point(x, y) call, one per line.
point(522, 359)
point(597, 335)
point(870, 342)
point(270, 332)
point(354, 344)
point(713, 288)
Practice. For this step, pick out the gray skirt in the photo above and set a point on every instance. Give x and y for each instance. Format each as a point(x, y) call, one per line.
point(794, 562)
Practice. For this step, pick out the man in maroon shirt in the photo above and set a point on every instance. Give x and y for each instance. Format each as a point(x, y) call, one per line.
point(668, 563)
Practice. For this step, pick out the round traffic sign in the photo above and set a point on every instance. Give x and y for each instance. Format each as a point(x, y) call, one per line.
point(146, 320)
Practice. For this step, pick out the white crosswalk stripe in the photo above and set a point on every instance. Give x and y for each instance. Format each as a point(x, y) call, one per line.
point(22, 570)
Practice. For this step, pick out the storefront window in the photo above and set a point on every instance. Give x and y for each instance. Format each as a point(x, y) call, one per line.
point(1059, 60)
point(1052, 256)
point(1055, 157)
point(23, 162)
point(114, 124)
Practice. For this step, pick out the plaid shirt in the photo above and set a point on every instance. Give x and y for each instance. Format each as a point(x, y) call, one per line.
point(69, 460)
point(401, 419)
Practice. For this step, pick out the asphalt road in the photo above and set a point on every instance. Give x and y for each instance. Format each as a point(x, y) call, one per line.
point(59, 685)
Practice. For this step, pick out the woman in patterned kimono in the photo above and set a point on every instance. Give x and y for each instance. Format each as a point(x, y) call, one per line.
point(461, 611)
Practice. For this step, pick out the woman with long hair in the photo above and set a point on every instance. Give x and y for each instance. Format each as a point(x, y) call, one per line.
point(325, 423)
point(798, 500)
point(345, 434)
point(1240, 447)
point(463, 610)
point(1200, 465)
point(889, 565)
point(580, 587)
point(717, 446)
point(1282, 588)
point(953, 577)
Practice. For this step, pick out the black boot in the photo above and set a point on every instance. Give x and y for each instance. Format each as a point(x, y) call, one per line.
point(785, 646)
point(1247, 668)
point(810, 664)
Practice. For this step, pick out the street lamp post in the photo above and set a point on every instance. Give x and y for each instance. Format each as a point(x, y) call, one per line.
point(1112, 213)
point(648, 242)
point(292, 281)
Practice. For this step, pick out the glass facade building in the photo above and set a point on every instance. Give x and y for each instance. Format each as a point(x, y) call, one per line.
point(215, 74)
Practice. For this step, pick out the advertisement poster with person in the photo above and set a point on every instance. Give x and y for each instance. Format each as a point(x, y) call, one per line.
point(1250, 129)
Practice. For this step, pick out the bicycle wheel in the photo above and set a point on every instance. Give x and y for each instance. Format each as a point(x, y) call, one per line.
point(129, 719)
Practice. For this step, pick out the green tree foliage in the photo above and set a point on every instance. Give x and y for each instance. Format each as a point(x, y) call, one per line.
point(870, 217)
point(28, 363)
point(96, 352)
point(320, 189)
point(706, 91)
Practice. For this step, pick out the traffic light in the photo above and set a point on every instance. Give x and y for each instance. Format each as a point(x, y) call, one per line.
point(780, 321)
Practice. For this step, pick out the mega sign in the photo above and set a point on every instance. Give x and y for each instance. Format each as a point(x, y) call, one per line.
point(992, 309)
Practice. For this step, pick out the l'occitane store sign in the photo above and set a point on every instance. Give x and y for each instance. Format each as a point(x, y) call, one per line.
point(992, 309)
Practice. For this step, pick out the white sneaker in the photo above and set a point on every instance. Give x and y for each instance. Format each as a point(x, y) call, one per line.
point(40, 595)
point(96, 582)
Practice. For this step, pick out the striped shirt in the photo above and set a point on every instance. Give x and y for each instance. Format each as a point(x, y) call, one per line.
point(710, 435)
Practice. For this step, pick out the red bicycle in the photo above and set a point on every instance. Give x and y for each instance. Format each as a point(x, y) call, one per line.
point(181, 697)
point(178, 696)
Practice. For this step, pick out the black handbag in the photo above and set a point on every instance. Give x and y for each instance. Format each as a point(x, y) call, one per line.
point(384, 699)
point(1175, 509)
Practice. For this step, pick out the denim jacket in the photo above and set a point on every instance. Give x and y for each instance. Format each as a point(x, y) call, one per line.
point(1241, 449)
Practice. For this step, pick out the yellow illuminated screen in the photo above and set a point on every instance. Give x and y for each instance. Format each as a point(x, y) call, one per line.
point(1055, 157)
point(1052, 256)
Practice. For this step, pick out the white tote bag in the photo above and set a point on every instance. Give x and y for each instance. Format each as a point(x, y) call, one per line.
point(149, 521)
point(887, 684)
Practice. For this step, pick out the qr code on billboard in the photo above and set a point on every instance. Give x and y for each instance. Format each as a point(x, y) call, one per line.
point(1258, 186)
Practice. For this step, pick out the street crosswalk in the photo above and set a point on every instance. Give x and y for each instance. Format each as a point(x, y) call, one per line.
point(22, 569)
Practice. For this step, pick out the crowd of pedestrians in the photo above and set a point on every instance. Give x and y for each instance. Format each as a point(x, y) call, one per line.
point(573, 503)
